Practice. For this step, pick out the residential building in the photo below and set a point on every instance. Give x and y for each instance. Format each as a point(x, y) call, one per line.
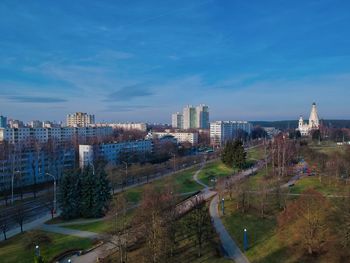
point(86, 155)
point(223, 131)
point(189, 117)
point(3, 121)
point(202, 115)
point(314, 122)
point(36, 124)
point(113, 152)
point(29, 166)
point(177, 120)
point(16, 124)
point(80, 119)
point(181, 137)
point(128, 126)
point(17, 135)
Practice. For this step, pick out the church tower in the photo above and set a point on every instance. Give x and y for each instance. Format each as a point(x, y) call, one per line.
point(301, 122)
point(314, 122)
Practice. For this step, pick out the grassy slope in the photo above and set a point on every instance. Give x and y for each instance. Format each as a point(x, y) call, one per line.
point(214, 170)
point(13, 250)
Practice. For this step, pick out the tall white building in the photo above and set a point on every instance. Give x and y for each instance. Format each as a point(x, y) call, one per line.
point(80, 119)
point(202, 115)
point(189, 117)
point(223, 131)
point(177, 120)
point(196, 117)
point(314, 122)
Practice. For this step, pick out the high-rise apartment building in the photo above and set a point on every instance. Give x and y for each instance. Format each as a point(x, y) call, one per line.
point(195, 117)
point(177, 120)
point(80, 119)
point(202, 114)
point(3, 121)
point(189, 117)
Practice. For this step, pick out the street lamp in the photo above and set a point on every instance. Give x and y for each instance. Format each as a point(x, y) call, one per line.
point(69, 261)
point(223, 205)
point(245, 240)
point(37, 251)
point(93, 168)
point(12, 179)
point(54, 192)
point(126, 169)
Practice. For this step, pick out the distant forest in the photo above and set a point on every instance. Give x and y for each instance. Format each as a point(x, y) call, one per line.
point(292, 124)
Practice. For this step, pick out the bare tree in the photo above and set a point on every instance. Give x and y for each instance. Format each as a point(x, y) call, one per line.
point(4, 224)
point(20, 215)
point(199, 223)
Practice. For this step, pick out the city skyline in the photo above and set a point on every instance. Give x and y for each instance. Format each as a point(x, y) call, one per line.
point(142, 61)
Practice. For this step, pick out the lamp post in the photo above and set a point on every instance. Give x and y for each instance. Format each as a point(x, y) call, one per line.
point(245, 240)
point(126, 169)
point(37, 251)
point(174, 164)
point(223, 205)
point(12, 180)
point(54, 192)
point(93, 167)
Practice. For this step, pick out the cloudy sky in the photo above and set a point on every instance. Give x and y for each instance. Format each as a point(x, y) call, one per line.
point(142, 60)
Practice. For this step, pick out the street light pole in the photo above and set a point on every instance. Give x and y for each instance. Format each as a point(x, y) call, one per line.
point(126, 169)
point(12, 179)
point(223, 206)
point(245, 240)
point(54, 192)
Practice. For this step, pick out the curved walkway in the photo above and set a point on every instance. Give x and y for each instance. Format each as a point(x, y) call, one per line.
point(230, 247)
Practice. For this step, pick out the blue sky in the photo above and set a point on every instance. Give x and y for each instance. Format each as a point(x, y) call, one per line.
point(143, 60)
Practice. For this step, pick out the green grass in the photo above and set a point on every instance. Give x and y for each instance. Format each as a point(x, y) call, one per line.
point(256, 153)
point(14, 250)
point(214, 170)
point(104, 226)
point(326, 186)
point(264, 245)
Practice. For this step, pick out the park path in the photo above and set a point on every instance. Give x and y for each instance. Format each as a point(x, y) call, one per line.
point(27, 226)
point(230, 247)
point(68, 231)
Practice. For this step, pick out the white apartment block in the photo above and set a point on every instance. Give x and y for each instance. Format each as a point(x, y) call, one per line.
point(111, 151)
point(129, 126)
point(223, 131)
point(86, 155)
point(177, 120)
point(191, 137)
point(13, 135)
point(80, 119)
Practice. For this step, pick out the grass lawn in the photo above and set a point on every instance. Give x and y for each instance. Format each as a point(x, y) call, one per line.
point(264, 244)
point(103, 226)
point(325, 187)
point(256, 153)
point(214, 170)
point(14, 250)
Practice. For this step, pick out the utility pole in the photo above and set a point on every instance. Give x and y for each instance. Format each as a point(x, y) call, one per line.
point(54, 193)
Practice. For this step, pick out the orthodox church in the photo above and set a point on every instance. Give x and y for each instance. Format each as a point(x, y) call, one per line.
point(314, 122)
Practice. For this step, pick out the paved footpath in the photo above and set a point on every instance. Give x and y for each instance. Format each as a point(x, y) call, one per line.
point(230, 247)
